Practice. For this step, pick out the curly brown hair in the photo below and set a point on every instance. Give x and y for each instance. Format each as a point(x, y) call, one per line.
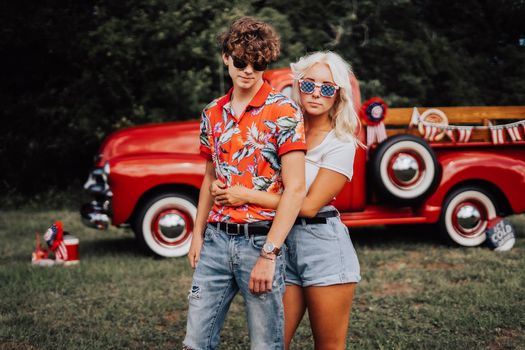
point(252, 40)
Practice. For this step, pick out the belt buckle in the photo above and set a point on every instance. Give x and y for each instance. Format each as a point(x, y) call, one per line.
point(233, 233)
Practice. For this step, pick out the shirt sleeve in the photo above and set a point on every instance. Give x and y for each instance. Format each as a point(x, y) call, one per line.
point(290, 129)
point(205, 136)
point(340, 158)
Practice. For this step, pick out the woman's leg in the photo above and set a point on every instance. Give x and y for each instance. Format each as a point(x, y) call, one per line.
point(329, 310)
point(294, 307)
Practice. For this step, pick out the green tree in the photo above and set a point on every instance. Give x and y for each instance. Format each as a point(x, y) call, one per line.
point(74, 72)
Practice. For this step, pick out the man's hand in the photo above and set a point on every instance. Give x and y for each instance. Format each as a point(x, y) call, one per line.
point(195, 249)
point(261, 277)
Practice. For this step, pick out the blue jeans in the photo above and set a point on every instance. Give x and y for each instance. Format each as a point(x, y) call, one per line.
point(223, 270)
point(321, 254)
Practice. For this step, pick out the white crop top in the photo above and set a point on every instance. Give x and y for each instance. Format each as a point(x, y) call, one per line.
point(332, 154)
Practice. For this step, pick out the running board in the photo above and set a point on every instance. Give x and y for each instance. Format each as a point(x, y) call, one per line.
point(380, 215)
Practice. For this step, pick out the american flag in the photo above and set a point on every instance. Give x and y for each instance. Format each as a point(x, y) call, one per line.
point(431, 132)
point(414, 121)
point(464, 133)
point(497, 134)
point(61, 252)
point(514, 132)
point(450, 133)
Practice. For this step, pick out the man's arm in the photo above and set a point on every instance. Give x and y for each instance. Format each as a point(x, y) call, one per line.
point(203, 209)
point(292, 172)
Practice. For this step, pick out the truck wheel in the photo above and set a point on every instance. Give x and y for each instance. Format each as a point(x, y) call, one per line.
point(465, 216)
point(404, 169)
point(164, 224)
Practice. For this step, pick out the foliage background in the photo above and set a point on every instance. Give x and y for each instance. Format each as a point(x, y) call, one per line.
point(72, 72)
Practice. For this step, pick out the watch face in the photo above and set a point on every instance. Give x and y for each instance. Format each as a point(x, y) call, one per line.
point(268, 247)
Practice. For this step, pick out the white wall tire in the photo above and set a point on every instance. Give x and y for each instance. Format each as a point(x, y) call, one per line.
point(465, 216)
point(164, 224)
point(405, 169)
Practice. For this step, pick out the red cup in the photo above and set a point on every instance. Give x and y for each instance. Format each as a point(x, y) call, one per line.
point(71, 243)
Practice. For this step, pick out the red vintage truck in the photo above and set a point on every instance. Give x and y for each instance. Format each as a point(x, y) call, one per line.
point(455, 167)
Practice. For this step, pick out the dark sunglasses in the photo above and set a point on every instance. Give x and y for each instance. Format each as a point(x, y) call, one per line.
point(308, 87)
point(241, 64)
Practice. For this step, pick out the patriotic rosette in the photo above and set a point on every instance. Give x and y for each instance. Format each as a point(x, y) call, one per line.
point(373, 113)
point(54, 237)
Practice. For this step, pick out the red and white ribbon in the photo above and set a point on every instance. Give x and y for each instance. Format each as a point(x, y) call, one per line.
point(376, 133)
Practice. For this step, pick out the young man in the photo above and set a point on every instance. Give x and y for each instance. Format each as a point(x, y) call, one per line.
point(251, 137)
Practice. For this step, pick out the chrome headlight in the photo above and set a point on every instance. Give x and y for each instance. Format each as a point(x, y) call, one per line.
point(97, 182)
point(106, 168)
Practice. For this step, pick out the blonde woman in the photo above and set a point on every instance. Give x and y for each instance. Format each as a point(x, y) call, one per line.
point(322, 268)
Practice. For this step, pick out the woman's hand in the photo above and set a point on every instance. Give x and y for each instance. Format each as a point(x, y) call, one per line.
point(234, 196)
point(216, 186)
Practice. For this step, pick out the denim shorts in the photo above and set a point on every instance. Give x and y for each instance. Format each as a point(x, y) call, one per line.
point(321, 254)
point(223, 270)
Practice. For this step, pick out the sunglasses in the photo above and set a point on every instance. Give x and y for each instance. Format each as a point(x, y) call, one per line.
point(241, 64)
point(308, 87)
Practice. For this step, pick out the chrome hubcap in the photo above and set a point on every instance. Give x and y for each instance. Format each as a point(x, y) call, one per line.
point(172, 226)
point(468, 217)
point(405, 168)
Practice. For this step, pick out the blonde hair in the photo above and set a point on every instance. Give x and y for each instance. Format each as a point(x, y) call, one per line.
point(343, 115)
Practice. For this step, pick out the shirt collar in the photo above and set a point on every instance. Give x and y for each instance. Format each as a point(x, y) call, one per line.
point(257, 100)
point(261, 95)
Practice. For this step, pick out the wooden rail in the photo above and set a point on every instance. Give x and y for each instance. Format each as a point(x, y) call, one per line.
point(459, 115)
point(398, 119)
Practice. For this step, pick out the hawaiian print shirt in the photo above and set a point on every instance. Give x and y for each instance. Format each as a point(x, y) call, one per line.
point(245, 149)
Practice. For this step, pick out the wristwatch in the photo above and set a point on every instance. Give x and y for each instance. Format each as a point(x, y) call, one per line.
point(270, 248)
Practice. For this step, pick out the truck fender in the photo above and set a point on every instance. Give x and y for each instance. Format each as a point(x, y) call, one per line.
point(131, 177)
point(500, 173)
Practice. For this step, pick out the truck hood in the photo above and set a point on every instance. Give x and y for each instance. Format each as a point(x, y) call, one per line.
point(174, 137)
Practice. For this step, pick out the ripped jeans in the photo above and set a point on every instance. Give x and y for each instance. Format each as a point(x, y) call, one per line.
point(223, 270)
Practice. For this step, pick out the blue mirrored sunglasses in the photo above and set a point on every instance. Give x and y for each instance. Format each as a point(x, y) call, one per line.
point(326, 90)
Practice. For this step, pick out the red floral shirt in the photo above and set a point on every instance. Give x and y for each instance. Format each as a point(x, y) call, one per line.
point(245, 149)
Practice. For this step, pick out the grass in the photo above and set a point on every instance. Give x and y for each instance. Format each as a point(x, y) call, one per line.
point(416, 293)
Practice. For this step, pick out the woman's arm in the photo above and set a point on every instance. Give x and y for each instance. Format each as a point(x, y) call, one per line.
point(327, 184)
point(238, 195)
